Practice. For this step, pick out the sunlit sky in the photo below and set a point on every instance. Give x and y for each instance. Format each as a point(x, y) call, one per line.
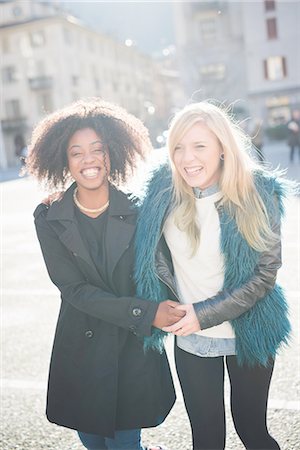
point(148, 24)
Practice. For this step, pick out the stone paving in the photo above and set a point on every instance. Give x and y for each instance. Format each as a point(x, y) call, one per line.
point(29, 306)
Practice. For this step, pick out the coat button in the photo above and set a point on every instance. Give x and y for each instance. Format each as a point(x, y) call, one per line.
point(89, 334)
point(136, 312)
point(133, 329)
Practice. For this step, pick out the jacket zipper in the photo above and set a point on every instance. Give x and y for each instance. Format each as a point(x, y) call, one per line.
point(168, 285)
point(165, 282)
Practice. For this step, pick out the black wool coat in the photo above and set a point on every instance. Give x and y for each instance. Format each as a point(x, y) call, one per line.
point(100, 378)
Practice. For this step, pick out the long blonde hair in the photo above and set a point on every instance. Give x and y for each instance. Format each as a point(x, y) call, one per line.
point(240, 197)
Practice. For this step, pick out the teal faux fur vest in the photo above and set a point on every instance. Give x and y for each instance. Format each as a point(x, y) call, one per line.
point(261, 330)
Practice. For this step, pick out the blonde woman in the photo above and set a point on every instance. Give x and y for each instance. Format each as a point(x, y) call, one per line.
point(209, 234)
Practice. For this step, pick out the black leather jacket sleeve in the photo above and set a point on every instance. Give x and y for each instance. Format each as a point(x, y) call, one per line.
point(228, 305)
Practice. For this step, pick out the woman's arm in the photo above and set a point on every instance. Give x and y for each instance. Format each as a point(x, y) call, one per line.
point(134, 314)
point(228, 305)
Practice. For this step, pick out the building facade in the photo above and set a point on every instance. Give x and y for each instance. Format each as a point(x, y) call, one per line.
point(50, 59)
point(242, 52)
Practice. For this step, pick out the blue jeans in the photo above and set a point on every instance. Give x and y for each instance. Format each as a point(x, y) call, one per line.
point(123, 440)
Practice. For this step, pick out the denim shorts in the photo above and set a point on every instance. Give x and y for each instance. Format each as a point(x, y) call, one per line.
point(206, 346)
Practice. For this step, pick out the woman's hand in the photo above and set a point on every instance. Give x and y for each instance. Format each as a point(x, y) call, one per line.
point(167, 314)
point(187, 325)
point(53, 198)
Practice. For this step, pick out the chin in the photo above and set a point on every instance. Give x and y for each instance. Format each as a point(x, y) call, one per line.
point(95, 184)
point(193, 183)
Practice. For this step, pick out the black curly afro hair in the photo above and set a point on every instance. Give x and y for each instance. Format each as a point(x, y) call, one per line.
point(123, 134)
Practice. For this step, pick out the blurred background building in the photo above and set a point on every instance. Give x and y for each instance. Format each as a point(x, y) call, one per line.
point(243, 53)
point(50, 58)
point(246, 51)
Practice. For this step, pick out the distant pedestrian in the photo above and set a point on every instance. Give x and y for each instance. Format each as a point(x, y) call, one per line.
point(294, 134)
point(21, 150)
point(208, 233)
point(101, 382)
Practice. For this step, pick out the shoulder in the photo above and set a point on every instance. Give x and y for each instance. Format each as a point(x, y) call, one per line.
point(159, 181)
point(40, 218)
point(157, 196)
point(161, 173)
point(122, 203)
point(40, 212)
point(273, 189)
point(271, 183)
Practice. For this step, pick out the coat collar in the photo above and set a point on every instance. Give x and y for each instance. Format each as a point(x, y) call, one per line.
point(64, 209)
point(119, 230)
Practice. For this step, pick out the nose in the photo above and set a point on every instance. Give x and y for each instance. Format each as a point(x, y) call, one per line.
point(88, 157)
point(188, 155)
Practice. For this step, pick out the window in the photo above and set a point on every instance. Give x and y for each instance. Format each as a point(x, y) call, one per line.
point(275, 68)
point(9, 74)
point(212, 72)
point(269, 5)
point(68, 37)
point(35, 68)
point(13, 109)
point(75, 80)
point(208, 30)
point(37, 38)
point(272, 28)
point(274, 102)
point(95, 76)
point(5, 44)
point(90, 44)
point(75, 96)
point(17, 11)
point(44, 102)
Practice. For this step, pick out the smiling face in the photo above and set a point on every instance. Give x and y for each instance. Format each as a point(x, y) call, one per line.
point(197, 157)
point(88, 160)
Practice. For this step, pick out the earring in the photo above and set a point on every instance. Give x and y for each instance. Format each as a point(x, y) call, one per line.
point(222, 157)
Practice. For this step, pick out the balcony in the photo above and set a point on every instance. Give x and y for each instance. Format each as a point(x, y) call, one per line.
point(204, 7)
point(14, 124)
point(40, 83)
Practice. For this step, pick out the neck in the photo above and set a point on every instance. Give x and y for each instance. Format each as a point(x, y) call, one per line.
point(93, 198)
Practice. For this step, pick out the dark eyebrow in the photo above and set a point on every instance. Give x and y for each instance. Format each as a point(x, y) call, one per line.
point(194, 142)
point(75, 145)
point(91, 143)
point(96, 142)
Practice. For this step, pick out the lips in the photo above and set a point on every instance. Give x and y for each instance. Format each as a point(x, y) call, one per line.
point(92, 172)
point(193, 171)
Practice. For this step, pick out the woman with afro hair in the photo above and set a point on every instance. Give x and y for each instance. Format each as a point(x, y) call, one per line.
point(102, 382)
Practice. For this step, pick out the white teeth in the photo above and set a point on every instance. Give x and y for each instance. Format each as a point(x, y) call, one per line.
point(90, 173)
point(193, 170)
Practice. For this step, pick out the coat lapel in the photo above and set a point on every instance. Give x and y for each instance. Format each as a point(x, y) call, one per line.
point(61, 215)
point(120, 228)
point(71, 238)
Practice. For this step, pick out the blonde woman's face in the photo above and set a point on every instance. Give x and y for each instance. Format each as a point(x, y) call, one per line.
point(197, 157)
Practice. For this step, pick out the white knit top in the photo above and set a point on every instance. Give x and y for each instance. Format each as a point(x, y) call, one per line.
point(200, 276)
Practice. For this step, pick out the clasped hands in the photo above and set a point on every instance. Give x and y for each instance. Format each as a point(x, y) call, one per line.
point(181, 320)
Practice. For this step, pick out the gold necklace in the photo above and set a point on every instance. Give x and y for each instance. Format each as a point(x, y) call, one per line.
point(88, 210)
